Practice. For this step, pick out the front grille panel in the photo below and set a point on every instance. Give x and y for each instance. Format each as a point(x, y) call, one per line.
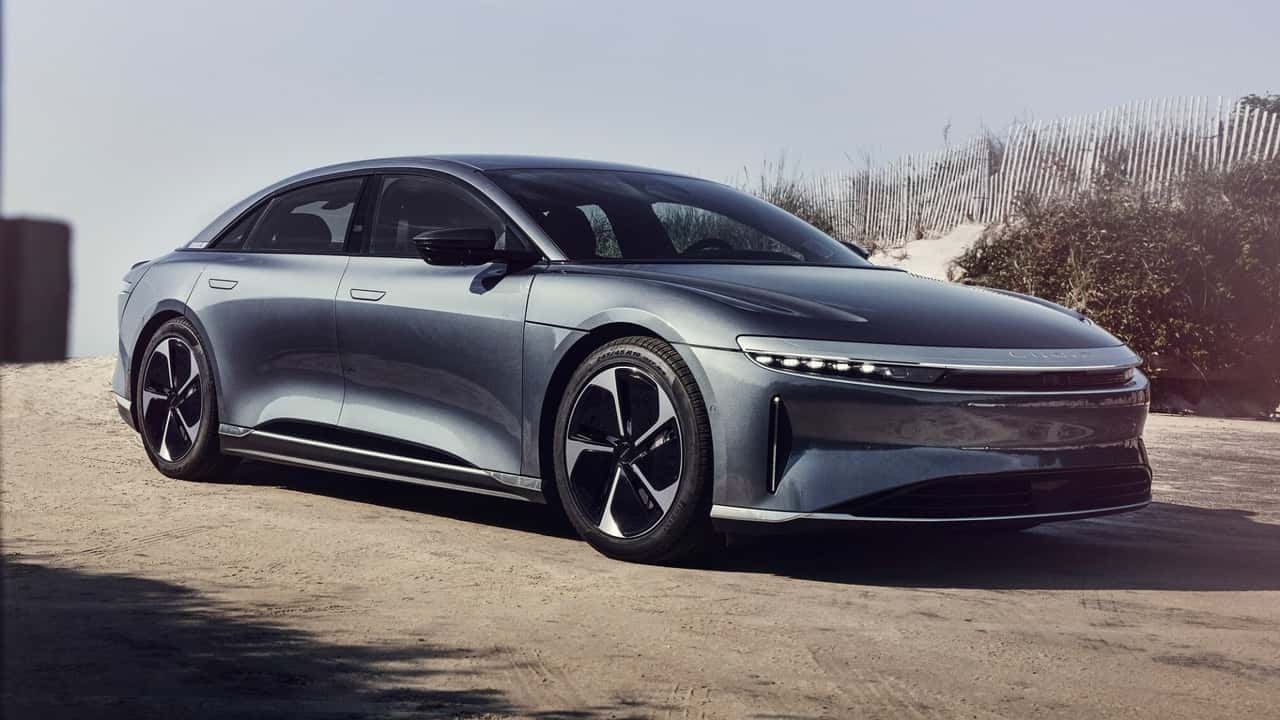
point(986, 496)
point(1059, 380)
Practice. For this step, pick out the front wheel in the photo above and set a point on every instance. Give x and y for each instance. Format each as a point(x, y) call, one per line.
point(176, 406)
point(633, 453)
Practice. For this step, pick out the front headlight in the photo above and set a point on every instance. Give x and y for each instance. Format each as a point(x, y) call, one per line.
point(822, 363)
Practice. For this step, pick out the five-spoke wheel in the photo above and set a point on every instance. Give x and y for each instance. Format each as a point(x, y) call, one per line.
point(623, 451)
point(632, 454)
point(175, 405)
point(171, 399)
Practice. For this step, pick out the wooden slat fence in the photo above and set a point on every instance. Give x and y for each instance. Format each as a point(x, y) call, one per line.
point(1152, 142)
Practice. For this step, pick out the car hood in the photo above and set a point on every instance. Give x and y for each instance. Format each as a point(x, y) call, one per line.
point(873, 304)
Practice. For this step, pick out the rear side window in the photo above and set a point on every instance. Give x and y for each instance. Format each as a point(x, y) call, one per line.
point(233, 237)
point(313, 219)
point(410, 205)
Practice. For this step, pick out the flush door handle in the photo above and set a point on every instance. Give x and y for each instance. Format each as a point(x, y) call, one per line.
point(222, 283)
point(369, 295)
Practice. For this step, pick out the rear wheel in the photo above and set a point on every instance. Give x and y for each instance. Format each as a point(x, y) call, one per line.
point(176, 406)
point(633, 453)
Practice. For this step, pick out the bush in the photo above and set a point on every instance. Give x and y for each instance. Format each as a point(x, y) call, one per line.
point(1189, 277)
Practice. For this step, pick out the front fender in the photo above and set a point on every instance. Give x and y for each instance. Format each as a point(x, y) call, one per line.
point(677, 314)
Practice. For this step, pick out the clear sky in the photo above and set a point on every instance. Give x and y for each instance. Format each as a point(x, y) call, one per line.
point(138, 121)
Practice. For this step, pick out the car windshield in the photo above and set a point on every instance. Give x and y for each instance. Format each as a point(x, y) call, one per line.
point(604, 215)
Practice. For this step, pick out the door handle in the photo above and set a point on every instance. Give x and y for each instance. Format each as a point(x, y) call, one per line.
point(370, 295)
point(220, 284)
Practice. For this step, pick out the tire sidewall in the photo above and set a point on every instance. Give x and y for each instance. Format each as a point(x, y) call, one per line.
point(691, 505)
point(206, 440)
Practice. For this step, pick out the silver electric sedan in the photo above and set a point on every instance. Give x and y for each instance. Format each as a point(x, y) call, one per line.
point(661, 357)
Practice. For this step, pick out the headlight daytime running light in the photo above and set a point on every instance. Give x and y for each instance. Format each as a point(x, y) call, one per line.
point(850, 368)
point(952, 369)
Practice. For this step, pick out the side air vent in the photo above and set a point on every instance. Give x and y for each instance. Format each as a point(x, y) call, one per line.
point(779, 442)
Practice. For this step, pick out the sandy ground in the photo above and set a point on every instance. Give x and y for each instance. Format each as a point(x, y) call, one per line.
point(289, 593)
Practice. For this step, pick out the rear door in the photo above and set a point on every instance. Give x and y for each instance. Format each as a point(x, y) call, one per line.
point(266, 303)
point(432, 354)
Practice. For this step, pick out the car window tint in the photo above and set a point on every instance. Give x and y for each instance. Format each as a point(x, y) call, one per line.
point(606, 239)
point(607, 215)
point(312, 219)
point(410, 205)
point(701, 230)
point(233, 237)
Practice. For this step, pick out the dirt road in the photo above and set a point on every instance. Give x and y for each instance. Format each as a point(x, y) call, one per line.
point(290, 593)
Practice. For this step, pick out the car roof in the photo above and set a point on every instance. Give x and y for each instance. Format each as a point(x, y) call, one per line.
point(537, 162)
point(466, 162)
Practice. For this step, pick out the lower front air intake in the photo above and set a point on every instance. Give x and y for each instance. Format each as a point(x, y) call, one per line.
point(1009, 495)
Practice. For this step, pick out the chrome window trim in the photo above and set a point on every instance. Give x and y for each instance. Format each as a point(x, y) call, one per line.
point(466, 174)
point(747, 514)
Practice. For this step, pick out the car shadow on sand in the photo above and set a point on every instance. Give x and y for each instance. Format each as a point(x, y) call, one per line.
point(468, 507)
point(1162, 547)
point(1165, 546)
point(82, 644)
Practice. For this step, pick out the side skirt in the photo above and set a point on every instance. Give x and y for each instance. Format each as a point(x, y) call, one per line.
point(335, 457)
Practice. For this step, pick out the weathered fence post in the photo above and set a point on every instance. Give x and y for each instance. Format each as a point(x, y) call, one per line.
point(1151, 142)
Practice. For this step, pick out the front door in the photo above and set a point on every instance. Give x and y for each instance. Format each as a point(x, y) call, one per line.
point(432, 354)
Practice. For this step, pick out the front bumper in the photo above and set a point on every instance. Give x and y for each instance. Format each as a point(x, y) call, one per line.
point(760, 522)
point(839, 444)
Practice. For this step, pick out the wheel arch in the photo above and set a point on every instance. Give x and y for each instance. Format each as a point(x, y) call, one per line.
point(164, 313)
point(559, 381)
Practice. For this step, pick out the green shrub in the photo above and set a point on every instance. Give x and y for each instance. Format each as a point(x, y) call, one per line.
point(1189, 275)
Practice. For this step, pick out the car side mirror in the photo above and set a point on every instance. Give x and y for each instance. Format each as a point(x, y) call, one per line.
point(861, 251)
point(468, 246)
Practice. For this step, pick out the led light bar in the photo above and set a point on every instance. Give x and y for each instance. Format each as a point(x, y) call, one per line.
point(849, 368)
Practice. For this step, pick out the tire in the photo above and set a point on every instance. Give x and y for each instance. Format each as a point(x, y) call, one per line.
point(177, 407)
point(634, 477)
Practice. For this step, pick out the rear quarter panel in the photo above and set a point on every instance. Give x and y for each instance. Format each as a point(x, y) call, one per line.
point(165, 286)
